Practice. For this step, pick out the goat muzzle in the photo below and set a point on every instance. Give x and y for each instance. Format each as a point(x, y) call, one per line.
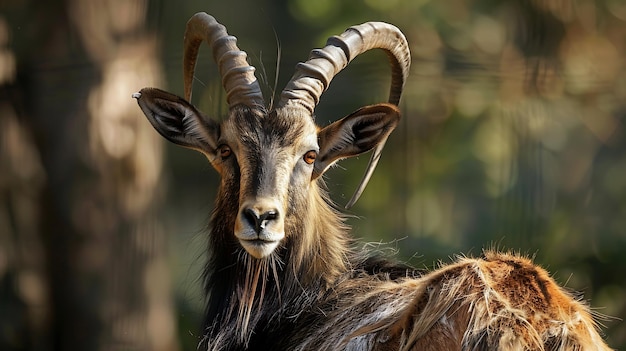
point(260, 227)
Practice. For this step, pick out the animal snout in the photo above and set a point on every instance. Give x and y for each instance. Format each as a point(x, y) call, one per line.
point(259, 219)
point(260, 227)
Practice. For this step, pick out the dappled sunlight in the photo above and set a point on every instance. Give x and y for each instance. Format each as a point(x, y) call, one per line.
point(20, 160)
point(488, 34)
point(473, 99)
point(434, 211)
point(122, 141)
point(21, 179)
point(81, 199)
point(7, 59)
point(117, 132)
point(107, 25)
point(495, 144)
point(160, 324)
point(590, 62)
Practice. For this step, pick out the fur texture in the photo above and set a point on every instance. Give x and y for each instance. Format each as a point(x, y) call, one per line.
point(311, 289)
point(284, 274)
point(317, 292)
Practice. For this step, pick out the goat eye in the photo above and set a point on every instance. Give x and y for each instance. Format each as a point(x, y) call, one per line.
point(224, 151)
point(309, 157)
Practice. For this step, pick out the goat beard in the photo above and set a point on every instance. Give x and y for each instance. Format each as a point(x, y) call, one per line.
point(251, 291)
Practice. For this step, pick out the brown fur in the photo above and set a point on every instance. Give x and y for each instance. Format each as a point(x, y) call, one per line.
point(315, 291)
point(499, 302)
point(284, 274)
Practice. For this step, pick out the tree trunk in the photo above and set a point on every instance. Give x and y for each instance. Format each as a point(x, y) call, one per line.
point(87, 192)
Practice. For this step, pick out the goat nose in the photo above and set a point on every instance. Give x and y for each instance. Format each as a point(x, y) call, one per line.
point(259, 220)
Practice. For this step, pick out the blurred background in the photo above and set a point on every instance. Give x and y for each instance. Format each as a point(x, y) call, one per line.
point(513, 137)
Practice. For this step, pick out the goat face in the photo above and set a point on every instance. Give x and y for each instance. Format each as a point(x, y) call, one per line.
point(269, 162)
point(272, 161)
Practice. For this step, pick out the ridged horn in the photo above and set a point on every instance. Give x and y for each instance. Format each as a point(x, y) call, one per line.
point(313, 77)
point(238, 78)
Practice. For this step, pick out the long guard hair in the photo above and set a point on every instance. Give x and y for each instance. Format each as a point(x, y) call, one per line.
point(283, 272)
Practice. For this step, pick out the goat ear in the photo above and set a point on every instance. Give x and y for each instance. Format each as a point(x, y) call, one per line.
point(177, 120)
point(355, 134)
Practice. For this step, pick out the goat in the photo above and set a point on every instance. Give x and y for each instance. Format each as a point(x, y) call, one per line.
point(283, 272)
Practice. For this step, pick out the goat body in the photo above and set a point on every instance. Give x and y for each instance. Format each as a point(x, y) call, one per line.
point(283, 272)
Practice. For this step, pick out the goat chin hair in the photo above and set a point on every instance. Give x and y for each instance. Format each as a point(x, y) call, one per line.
point(283, 271)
